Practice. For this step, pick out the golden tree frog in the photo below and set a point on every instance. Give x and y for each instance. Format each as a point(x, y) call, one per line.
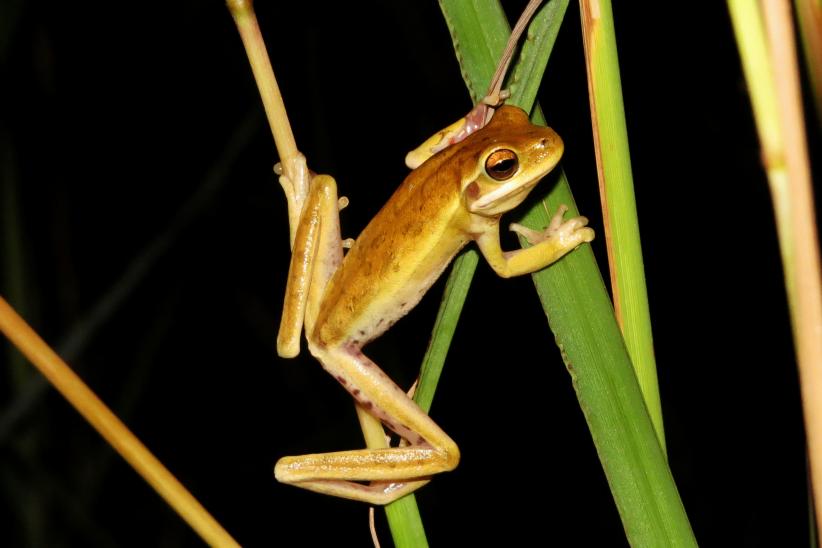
point(343, 301)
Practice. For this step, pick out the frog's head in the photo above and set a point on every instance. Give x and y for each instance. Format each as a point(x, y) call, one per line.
point(512, 155)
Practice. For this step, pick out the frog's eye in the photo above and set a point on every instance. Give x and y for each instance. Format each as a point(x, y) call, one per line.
point(501, 164)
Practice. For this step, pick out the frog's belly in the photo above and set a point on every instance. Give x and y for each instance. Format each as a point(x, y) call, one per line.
point(359, 306)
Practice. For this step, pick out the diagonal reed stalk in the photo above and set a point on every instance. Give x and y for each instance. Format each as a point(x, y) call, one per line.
point(56, 372)
point(404, 518)
point(86, 402)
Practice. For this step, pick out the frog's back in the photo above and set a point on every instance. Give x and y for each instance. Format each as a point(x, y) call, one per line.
point(401, 252)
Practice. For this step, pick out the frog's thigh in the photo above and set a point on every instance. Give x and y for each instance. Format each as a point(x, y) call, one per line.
point(431, 450)
point(316, 254)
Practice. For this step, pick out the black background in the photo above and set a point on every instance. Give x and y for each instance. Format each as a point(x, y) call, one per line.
point(115, 115)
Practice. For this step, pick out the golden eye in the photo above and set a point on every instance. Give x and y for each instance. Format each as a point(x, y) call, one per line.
point(501, 164)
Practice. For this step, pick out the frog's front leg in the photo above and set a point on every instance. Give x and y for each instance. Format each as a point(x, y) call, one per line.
point(548, 246)
point(316, 253)
point(394, 471)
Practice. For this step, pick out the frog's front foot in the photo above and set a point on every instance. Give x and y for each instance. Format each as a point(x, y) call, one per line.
point(568, 234)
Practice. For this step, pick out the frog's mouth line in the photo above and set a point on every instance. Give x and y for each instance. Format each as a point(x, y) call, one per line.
point(506, 191)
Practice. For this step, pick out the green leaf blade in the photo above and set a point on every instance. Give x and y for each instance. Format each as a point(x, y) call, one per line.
point(580, 313)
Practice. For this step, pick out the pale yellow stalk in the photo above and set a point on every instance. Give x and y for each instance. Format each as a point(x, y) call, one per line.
point(767, 46)
point(295, 177)
point(800, 243)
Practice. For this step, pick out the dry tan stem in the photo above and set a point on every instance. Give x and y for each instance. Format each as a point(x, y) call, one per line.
point(795, 214)
point(60, 375)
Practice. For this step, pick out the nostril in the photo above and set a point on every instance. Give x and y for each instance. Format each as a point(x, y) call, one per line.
point(543, 142)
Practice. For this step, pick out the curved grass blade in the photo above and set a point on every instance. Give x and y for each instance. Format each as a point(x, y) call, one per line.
point(581, 315)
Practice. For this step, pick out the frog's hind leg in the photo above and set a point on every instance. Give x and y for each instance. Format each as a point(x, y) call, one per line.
point(394, 471)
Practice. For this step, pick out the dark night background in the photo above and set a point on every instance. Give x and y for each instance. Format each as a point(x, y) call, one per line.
point(136, 163)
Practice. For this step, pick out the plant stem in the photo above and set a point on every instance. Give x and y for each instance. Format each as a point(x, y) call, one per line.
point(86, 402)
point(766, 44)
point(403, 516)
point(296, 178)
point(616, 190)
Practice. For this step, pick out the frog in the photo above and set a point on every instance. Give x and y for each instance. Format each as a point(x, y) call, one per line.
point(342, 301)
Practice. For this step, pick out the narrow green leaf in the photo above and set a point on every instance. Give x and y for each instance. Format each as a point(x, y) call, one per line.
point(456, 290)
point(616, 177)
point(479, 32)
point(577, 304)
point(536, 49)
